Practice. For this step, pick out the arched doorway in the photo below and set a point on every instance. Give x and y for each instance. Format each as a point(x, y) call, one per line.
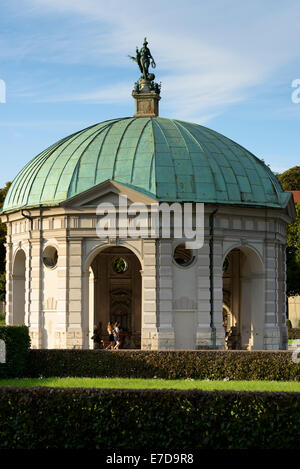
point(18, 288)
point(115, 294)
point(243, 299)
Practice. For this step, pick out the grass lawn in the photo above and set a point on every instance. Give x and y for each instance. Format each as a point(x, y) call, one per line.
point(293, 386)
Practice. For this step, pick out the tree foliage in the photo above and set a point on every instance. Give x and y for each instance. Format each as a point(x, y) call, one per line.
point(290, 179)
point(3, 193)
point(293, 255)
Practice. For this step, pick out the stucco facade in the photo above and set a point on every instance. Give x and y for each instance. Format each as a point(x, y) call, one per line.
point(167, 306)
point(63, 278)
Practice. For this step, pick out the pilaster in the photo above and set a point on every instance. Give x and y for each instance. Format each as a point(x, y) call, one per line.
point(62, 293)
point(35, 313)
point(166, 335)
point(204, 336)
point(271, 329)
point(149, 338)
point(77, 333)
point(9, 272)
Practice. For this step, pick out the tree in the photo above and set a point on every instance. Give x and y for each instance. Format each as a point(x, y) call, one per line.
point(3, 193)
point(293, 255)
point(2, 286)
point(290, 179)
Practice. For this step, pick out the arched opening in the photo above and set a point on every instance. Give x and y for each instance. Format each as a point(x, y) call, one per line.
point(18, 288)
point(115, 294)
point(243, 300)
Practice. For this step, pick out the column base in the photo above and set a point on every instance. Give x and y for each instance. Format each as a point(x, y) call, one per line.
point(149, 339)
point(206, 341)
point(35, 338)
point(284, 337)
point(60, 340)
point(74, 339)
point(166, 338)
point(272, 338)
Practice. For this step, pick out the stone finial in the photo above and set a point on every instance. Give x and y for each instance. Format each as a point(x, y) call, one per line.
point(146, 92)
point(146, 97)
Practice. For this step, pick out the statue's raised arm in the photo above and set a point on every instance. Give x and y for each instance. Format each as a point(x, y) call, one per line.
point(137, 59)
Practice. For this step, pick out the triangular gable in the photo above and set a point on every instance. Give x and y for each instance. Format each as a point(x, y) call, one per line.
point(108, 191)
point(289, 205)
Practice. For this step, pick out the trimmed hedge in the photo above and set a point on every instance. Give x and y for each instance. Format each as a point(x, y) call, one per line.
point(17, 343)
point(35, 418)
point(213, 364)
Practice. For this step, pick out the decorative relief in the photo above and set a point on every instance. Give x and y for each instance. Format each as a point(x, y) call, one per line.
point(50, 304)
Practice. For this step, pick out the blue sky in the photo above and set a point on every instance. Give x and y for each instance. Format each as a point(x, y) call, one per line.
point(228, 65)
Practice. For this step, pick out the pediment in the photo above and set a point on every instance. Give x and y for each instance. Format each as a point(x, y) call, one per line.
point(108, 191)
point(291, 210)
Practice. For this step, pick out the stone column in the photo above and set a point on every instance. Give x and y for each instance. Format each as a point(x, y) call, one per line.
point(89, 305)
point(282, 298)
point(62, 294)
point(149, 339)
point(203, 334)
point(271, 329)
point(166, 335)
point(235, 286)
point(35, 313)
point(204, 338)
point(28, 282)
point(218, 294)
point(77, 333)
point(9, 267)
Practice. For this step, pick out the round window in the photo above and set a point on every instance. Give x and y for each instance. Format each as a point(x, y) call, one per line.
point(119, 265)
point(50, 257)
point(182, 256)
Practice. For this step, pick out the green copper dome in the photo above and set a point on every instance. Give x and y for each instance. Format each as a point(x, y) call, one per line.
point(167, 159)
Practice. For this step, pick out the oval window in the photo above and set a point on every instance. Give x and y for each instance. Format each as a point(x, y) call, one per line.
point(119, 265)
point(182, 256)
point(50, 257)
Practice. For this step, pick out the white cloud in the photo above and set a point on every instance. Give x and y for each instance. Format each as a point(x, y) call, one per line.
point(44, 123)
point(117, 93)
point(208, 54)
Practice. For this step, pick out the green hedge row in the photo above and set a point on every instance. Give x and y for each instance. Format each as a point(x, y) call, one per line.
point(34, 418)
point(17, 343)
point(238, 365)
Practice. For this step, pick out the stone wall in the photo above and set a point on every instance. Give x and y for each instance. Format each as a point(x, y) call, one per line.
point(172, 298)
